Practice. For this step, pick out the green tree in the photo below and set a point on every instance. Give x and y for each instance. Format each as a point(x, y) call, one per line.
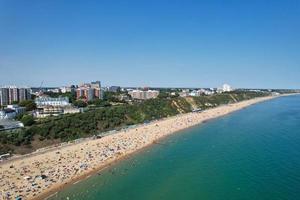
point(28, 104)
point(163, 95)
point(110, 96)
point(80, 103)
point(100, 103)
point(27, 120)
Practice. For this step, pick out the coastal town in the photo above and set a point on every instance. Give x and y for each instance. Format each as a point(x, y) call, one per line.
point(44, 101)
point(46, 166)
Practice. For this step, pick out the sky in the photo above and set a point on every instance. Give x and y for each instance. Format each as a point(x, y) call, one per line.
point(157, 43)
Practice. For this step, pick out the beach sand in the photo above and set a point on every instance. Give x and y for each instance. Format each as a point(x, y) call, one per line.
point(41, 174)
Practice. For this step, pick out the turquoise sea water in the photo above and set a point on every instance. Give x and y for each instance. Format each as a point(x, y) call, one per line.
point(250, 154)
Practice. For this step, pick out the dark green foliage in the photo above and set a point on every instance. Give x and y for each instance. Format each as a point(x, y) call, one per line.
point(19, 117)
point(15, 138)
point(27, 120)
point(111, 96)
point(28, 104)
point(80, 103)
point(99, 103)
point(163, 95)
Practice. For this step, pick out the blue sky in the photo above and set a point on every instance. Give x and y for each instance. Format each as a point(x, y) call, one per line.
point(246, 43)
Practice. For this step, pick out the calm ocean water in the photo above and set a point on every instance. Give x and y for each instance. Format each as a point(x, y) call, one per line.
point(251, 154)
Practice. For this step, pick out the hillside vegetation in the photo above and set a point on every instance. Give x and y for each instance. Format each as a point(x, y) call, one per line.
point(69, 127)
point(205, 102)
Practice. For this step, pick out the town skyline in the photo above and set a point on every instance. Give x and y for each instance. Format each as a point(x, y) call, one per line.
point(138, 86)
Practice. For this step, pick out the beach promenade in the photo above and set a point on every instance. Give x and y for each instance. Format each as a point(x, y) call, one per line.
point(39, 175)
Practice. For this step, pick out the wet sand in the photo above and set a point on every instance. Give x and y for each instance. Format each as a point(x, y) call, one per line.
point(39, 175)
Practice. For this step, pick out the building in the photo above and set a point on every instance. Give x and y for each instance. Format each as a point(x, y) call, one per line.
point(72, 110)
point(49, 101)
point(53, 90)
point(226, 88)
point(143, 95)
point(196, 93)
point(24, 94)
point(113, 88)
point(11, 94)
point(4, 96)
point(48, 110)
point(184, 93)
point(89, 91)
point(96, 84)
point(11, 111)
point(85, 93)
point(18, 109)
point(66, 89)
point(202, 92)
point(7, 114)
point(48, 106)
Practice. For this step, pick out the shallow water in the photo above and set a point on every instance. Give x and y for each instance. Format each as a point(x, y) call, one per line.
point(250, 154)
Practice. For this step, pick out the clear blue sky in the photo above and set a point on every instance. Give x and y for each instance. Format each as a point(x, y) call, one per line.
point(246, 43)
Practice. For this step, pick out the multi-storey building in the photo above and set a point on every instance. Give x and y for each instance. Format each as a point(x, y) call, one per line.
point(96, 84)
point(143, 95)
point(11, 94)
point(89, 91)
point(24, 94)
point(4, 96)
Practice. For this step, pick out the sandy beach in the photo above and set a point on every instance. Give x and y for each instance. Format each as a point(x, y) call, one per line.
point(40, 175)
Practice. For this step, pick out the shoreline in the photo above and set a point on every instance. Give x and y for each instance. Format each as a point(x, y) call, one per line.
point(110, 145)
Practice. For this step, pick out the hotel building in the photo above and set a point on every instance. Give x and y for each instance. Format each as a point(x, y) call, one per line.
point(143, 95)
point(89, 91)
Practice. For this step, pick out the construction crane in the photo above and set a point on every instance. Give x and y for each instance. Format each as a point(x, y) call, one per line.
point(40, 89)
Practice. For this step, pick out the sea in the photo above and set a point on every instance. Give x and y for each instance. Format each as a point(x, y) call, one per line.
point(253, 153)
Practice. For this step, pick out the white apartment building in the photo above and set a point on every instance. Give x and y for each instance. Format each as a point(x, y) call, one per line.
point(184, 93)
point(226, 88)
point(143, 95)
point(48, 101)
